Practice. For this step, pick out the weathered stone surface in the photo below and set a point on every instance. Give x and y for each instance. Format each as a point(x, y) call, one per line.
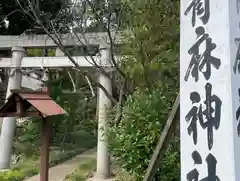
point(7, 42)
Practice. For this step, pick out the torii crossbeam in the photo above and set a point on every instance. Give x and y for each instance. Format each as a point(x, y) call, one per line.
point(56, 62)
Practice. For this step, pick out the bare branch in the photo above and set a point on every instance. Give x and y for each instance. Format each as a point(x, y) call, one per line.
point(5, 17)
point(71, 78)
point(90, 85)
point(55, 38)
point(106, 92)
point(94, 62)
point(110, 37)
point(119, 108)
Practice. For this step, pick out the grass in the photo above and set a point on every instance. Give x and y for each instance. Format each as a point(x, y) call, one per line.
point(87, 167)
point(123, 176)
point(84, 170)
point(28, 167)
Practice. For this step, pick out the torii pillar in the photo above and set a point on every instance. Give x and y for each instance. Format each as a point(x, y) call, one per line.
point(104, 103)
point(210, 90)
point(9, 123)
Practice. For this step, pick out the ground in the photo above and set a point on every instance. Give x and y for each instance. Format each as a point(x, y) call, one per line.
point(60, 172)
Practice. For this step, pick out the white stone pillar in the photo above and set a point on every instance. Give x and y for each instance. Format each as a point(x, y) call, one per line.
point(9, 123)
point(104, 103)
point(210, 90)
point(59, 52)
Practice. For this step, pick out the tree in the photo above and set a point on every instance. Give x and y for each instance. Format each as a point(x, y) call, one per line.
point(14, 22)
point(152, 70)
point(97, 15)
point(152, 33)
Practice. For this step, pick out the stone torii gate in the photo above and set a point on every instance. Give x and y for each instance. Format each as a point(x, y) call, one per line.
point(18, 44)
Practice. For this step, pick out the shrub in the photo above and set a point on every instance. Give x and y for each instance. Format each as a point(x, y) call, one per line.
point(11, 176)
point(133, 140)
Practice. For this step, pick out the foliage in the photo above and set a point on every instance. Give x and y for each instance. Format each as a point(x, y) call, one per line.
point(72, 133)
point(97, 16)
point(27, 139)
point(80, 110)
point(78, 122)
point(134, 138)
point(29, 166)
point(90, 16)
point(83, 171)
point(151, 40)
point(11, 176)
point(39, 52)
point(19, 23)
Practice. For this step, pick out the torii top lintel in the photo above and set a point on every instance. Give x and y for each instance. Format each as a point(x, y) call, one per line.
point(31, 41)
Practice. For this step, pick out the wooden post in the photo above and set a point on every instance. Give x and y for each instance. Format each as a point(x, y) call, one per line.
point(45, 143)
point(45, 140)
